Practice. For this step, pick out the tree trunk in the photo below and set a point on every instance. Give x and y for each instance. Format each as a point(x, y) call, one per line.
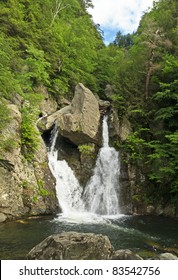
point(149, 74)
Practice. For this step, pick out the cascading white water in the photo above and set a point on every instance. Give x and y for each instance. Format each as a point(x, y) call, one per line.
point(101, 193)
point(68, 189)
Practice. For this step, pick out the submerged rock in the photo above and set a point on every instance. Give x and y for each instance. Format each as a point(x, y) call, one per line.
point(72, 246)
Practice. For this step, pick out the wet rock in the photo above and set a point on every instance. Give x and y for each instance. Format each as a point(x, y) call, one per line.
point(167, 256)
point(150, 209)
point(125, 255)
point(72, 246)
point(104, 106)
point(3, 217)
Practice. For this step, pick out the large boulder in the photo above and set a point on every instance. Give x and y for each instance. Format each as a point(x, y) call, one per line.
point(79, 122)
point(72, 246)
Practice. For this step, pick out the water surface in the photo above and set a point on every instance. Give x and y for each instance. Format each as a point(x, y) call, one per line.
point(142, 234)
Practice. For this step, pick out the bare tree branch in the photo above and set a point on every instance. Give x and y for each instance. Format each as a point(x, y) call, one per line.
point(57, 9)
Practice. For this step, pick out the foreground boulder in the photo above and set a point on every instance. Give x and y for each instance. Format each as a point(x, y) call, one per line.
point(72, 246)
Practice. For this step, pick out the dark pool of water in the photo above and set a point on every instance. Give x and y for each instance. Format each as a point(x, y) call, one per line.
point(143, 234)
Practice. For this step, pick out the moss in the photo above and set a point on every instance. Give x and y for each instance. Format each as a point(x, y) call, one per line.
point(29, 133)
point(41, 190)
point(26, 185)
point(35, 199)
point(136, 198)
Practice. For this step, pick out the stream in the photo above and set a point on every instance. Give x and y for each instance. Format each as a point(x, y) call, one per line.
point(144, 235)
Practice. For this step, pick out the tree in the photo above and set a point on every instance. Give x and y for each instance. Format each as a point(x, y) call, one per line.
point(123, 41)
point(155, 43)
point(59, 6)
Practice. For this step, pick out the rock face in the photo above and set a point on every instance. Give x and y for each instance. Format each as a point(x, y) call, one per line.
point(80, 159)
point(72, 246)
point(47, 105)
point(119, 129)
point(25, 188)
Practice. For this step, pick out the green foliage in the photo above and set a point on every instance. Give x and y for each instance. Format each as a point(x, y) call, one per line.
point(87, 150)
point(42, 191)
point(123, 41)
point(29, 133)
point(135, 146)
point(146, 89)
point(4, 115)
point(6, 144)
point(36, 67)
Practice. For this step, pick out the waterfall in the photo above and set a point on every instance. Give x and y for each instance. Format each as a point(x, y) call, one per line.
point(68, 189)
point(101, 192)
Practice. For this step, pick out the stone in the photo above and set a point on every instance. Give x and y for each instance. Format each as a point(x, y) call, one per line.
point(72, 246)
point(79, 122)
point(104, 106)
point(47, 105)
point(109, 90)
point(125, 255)
point(150, 209)
point(167, 256)
point(81, 159)
point(3, 217)
point(119, 128)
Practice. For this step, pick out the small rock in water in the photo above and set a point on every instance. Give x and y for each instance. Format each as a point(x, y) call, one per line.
point(125, 255)
point(167, 256)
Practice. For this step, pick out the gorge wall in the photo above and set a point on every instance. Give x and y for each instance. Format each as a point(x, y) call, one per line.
point(28, 188)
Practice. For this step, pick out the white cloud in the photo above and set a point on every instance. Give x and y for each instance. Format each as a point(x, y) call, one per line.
point(123, 15)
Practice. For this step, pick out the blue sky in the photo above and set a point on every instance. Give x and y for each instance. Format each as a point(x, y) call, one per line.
point(118, 15)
